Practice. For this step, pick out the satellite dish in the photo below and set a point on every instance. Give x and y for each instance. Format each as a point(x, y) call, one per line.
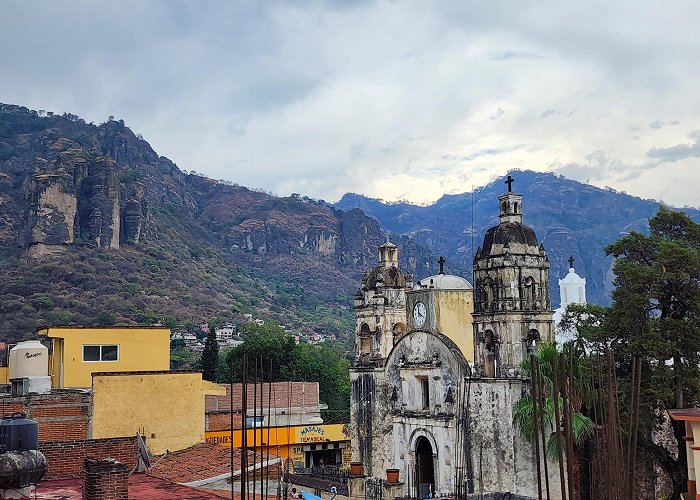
point(143, 452)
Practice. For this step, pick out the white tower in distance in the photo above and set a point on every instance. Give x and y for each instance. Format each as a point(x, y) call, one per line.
point(572, 290)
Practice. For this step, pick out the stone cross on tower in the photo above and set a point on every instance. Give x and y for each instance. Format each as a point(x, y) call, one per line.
point(441, 261)
point(510, 182)
point(571, 262)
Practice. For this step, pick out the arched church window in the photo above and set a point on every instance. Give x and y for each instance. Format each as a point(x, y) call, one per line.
point(533, 336)
point(490, 341)
point(529, 293)
point(364, 329)
point(490, 348)
point(515, 207)
point(488, 294)
point(365, 346)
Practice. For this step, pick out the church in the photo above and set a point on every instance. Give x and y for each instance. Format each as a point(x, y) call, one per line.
point(436, 372)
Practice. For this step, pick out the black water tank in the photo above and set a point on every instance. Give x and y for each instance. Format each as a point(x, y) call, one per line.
point(18, 433)
point(21, 468)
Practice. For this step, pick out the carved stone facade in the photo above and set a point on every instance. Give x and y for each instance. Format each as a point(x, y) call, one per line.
point(512, 308)
point(380, 308)
point(418, 404)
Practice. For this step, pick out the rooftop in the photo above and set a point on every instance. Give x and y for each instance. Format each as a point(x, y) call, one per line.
point(44, 330)
point(141, 486)
point(688, 414)
point(197, 463)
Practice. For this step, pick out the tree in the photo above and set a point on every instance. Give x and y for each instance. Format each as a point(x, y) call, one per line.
point(289, 361)
point(582, 426)
point(656, 316)
point(586, 321)
point(269, 342)
point(105, 318)
point(210, 357)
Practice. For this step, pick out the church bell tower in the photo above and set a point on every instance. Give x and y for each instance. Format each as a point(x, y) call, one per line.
point(380, 308)
point(512, 308)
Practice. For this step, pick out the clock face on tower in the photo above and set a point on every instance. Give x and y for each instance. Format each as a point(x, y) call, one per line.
point(419, 314)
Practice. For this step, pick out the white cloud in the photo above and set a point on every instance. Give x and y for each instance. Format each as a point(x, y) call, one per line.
point(390, 99)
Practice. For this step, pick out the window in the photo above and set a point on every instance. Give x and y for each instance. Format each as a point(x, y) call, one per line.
point(256, 421)
point(100, 353)
point(425, 392)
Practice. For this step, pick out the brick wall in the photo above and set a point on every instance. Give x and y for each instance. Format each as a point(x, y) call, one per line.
point(221, 421)
point(61, 415)
point(105, 480)
point(66, 458)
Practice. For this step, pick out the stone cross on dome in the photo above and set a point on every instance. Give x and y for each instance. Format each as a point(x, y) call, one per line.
point(571, 262)
point(510, 182)
point(441, 261)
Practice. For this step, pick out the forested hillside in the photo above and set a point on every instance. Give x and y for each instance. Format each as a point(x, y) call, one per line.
point(95, 227)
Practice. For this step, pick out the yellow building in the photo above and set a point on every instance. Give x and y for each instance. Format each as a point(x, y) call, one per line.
point(306, 445)
point(166, 407)
point(444, 304)
point(80, 351)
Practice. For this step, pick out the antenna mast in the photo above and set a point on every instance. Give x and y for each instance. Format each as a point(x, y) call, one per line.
point(471, 264)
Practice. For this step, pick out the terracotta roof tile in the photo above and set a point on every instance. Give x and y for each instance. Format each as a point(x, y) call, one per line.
point(199, 462)
point(141, 486)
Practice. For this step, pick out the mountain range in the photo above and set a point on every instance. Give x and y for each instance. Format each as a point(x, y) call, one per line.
point(571, 219)
point(96, 227)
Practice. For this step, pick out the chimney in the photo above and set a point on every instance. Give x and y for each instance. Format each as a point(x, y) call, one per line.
point(105, 480)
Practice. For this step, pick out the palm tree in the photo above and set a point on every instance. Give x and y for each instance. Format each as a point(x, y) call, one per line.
point(575, 390)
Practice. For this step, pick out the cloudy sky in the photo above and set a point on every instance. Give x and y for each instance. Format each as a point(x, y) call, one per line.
point(392, 99)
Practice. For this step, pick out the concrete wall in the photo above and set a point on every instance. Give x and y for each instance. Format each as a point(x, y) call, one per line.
point(453, 318)
point(167, 407)
point(139, 349)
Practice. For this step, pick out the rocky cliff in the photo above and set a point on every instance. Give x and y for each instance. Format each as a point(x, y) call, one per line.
point(95, 226)
point(93, 221)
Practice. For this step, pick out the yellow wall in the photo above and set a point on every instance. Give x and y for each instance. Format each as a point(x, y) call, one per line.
point(140, 349)
point(453, 317)
point(4, 374)
point(166, 407)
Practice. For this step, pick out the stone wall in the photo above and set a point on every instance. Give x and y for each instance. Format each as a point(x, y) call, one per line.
point(503, 459)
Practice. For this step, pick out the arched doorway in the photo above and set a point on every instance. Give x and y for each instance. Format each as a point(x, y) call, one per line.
point(425, 474)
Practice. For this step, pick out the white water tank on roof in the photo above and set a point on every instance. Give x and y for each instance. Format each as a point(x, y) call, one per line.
point(29, 359)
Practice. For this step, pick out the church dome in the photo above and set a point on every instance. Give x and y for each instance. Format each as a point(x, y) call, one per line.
point(443, 282)
point(507, 235)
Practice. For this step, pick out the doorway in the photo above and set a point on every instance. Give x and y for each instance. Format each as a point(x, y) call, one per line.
point(425, 473)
